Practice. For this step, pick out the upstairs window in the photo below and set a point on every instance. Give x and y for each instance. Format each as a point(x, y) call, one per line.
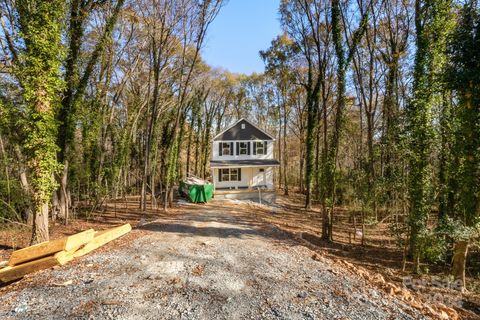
point(225, 149)
point(260, 147)
point(243, 148)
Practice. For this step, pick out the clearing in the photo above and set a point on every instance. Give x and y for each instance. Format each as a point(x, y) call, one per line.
point(205, 263)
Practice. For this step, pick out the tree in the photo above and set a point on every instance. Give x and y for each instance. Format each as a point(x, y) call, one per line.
point(307, 24)
point(463, 77)
point(431, 25)
point(344, 57)
point(38, 71)
point(278, 65)
point(394, 33)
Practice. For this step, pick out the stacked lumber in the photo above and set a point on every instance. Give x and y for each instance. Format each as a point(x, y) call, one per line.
point(57, 252)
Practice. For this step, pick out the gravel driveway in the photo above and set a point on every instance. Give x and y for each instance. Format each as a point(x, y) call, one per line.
point(207, 264)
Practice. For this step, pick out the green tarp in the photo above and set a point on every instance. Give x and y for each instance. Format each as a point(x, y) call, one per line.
point(197, 192)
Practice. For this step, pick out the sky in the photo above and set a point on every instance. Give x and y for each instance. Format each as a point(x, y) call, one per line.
point(239, 32)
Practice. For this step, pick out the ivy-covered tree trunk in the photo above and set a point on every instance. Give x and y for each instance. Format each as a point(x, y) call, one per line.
point(39, 74)
point(431, 25)
point(464, 79)
point(420, 129)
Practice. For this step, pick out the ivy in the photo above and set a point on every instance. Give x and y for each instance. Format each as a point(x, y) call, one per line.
point(39, 74)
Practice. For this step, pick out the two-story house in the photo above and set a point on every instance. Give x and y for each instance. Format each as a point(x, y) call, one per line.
point(242, 163)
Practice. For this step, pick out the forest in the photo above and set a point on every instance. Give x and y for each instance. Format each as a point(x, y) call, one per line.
point(375, 106)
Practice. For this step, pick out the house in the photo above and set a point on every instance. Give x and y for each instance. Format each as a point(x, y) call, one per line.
point(242, 163)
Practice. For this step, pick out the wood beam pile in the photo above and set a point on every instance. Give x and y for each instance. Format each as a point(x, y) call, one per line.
point(57, 252)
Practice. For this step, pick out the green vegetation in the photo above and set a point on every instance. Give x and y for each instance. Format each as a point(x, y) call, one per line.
point(375, 106)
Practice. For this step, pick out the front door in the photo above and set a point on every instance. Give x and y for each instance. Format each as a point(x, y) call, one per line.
point(263, 179)
point(259, 178)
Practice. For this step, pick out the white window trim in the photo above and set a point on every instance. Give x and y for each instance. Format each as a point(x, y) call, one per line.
point(260, 144)
point(244, 148)
point(226, 146)
point(227, 174)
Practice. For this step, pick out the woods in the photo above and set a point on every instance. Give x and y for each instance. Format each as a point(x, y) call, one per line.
point(375, 106)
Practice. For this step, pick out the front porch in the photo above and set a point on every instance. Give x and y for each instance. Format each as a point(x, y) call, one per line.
point(242, 178)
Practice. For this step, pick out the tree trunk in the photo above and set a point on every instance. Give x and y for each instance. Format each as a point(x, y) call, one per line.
point(25, 186)
point(26, 189)
point(458, 263)
point(40, 225)
point(285, 151)
point(63, 202)
point(280, 156)
point(312, 112)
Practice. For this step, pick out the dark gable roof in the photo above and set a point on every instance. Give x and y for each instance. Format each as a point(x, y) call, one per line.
point(236, 132)
point(241, 163)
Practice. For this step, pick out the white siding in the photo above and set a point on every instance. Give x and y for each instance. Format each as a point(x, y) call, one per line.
point(246, 176)
point(251, 177)
point(268, 155)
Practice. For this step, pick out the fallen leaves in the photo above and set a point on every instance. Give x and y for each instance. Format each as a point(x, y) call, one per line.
point(198, 270)
point(436, 310)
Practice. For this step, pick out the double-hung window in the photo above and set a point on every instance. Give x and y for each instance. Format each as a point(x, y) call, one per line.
point(226, 149)
point(230, 174)
point(243, 148)
point(260, 147)
point(234, 174)
point(225, 175)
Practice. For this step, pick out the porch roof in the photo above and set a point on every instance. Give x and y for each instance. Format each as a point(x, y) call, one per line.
point(244, 163)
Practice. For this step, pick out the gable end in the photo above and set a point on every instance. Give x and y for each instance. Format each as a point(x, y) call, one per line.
point(243, 130)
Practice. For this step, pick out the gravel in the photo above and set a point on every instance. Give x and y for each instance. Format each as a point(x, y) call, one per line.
point(210, 264)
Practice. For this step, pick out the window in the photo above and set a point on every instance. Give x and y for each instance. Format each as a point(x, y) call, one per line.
point(226, 149)
point(260, 147)
point(243, 125)
point(243, 148)
point(225, 175)
point(233, 174)
point(230, 174)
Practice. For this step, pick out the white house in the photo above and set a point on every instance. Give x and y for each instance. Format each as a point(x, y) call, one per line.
point(242, 162)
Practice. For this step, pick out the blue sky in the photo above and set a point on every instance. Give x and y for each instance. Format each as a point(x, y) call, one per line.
point(239, 32)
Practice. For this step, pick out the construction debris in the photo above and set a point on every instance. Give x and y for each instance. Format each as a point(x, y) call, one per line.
point(57, 252)
point(49, 247)
point(102, 238)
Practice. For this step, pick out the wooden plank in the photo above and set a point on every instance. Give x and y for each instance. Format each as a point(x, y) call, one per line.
point(66, 256)
point(50, 247)
point(102, 238)
point(77, 240)
point(13, 273)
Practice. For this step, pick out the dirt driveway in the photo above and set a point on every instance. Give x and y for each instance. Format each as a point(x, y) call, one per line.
point(205, 264)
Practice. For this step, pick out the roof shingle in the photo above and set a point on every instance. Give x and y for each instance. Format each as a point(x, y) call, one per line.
point(235, 133)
